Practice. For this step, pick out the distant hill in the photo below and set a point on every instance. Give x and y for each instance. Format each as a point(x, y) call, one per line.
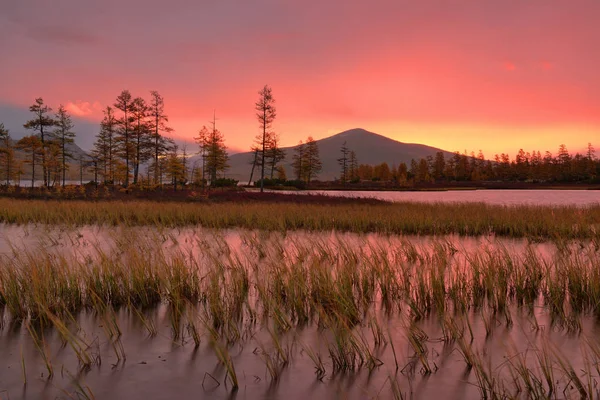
point(370, 148)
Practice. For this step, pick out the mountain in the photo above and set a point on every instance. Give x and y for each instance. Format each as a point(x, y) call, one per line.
point(370, 148)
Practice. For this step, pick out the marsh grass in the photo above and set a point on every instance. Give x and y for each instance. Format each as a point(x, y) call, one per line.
point(350, 292)
point(533, 222)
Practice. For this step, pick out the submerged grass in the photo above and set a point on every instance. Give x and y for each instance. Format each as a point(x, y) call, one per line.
point(269, 288)
point(534, 222)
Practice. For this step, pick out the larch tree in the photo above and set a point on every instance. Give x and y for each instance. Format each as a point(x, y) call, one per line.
point(32, 146)
point(64, 135)
point(41, 123)
point(255, 160)
point(343, 163)
point(7, 154)
point(353, 165)
point(313, 164)
point(184, 162)
point(266, 113)
point(213, 151)
point(175, 168)
point(124, 138)
point(158, 127)
point(141, 135)
point(104, 147)
point(298, 159)
point(274, 153)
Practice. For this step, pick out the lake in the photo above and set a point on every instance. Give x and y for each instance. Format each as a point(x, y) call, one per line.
point(580, 198)
point(306, 315)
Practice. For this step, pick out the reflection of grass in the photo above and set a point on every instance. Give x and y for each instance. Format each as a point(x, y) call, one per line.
point(272, 288)
point(410, 218)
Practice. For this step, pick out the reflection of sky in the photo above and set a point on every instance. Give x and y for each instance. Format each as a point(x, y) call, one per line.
point(580, 198)
point(491, 75)
point(168, 366)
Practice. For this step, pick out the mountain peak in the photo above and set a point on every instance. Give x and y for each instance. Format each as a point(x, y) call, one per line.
point(354, 132)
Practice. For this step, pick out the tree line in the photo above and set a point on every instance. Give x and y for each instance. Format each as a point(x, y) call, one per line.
point(47, 147)
point(524, 167)
point(135, 133)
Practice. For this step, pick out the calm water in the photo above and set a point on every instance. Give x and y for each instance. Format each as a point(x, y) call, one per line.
point(163, 368)
point(580, 198)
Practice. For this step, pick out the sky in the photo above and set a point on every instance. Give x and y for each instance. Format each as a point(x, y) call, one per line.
point(490, 75)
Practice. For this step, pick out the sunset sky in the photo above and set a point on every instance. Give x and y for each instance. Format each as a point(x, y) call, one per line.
point(495, 75)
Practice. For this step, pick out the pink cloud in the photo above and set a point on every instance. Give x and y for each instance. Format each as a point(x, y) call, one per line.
point(83, 108)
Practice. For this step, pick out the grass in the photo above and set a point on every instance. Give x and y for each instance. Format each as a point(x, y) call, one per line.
point(266, 290)
point(533, 222)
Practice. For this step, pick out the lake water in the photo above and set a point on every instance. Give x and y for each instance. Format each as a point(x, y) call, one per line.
point(579, 198)
point(163, 367)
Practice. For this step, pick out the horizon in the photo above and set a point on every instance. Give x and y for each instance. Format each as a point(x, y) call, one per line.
point(429, 73)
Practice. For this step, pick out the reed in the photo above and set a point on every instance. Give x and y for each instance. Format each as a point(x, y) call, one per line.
point(348, 290)
point(535, 222)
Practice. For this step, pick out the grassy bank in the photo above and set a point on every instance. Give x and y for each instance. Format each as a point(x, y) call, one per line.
point(537, 222)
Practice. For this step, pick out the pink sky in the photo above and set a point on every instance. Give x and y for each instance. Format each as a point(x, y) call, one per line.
point(495, 75)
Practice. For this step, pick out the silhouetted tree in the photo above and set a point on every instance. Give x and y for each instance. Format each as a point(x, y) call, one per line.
point(343, 163)
point(158, 127)
point(274, 153)
point(64, 135)
point(312, 163)
point(7, 154)
point(213, 151)
point(104, 147)
point(353, 165)
point(33, 147)
point(254, 162)
point(265, 112)
point(125, 147)
point(41, 123)
point(175, 168)
point(141, 135)
point(298, 161)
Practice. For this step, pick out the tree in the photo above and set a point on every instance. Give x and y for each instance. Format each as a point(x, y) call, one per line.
point(184, 162)
point(40, 124)
point(281, 175)
point(439, 165)
point(353, 167)
point(174, 168)
point(158, 125)
point(213, 151)
point(274, 153)
point(254, 162)
point(298, 161)
point(7, 153)
point(141, 135)
point(591, 157)
point(312, 161)
point(104, 147)
point(64, 135)
point(123, 138)
point(343, 162)
point(31, 145)
point(265, 112)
